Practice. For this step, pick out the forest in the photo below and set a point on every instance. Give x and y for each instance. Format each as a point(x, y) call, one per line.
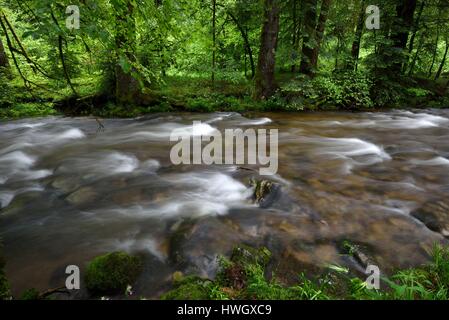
point(125, 58)
point(96, 203)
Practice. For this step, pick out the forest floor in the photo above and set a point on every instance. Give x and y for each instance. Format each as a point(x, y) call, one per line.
point(333, 92)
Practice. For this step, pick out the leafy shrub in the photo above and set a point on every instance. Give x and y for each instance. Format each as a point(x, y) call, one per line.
point(21, 110)
point(349, 90)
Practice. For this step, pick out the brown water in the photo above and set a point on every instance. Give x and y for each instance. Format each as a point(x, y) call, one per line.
point(69, 192)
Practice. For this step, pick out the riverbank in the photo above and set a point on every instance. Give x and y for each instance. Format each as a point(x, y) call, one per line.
point(246, 275)
point(334, 92)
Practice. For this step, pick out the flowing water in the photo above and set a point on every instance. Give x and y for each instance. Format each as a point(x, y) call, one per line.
point(69, 192)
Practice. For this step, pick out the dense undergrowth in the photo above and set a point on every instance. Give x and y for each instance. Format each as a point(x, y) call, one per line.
point(349, 91)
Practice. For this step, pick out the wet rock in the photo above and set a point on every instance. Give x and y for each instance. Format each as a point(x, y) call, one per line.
point(194, 247)
point(66, 184)
point(435, 215)
point(265, 192)
point(311, 259)
point(82, 195)
point(359, 252)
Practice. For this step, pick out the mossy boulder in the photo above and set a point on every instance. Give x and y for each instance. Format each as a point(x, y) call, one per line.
point(190, 288)
point(112, 273)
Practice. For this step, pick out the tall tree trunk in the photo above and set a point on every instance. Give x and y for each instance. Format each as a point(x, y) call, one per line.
point(248, 50)
point(443, 62)
point(214, 38)
point(265, 84)
point(434, 54)
point(309, 41)
point(295, 34)
point(405, 11)
point(4, 62)
point(325, 7)
point(415, 58)
point(127, 88)
point(355, 50)
point(416, 24)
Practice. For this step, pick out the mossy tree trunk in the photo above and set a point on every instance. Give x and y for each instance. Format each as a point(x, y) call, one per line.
point(324, 14)
point(405, 11)
point(265, 84)
point(127, 88)
point(443, 62)
point(4, 62)
point(309, 39)
point(355, 50)
point(416, 25)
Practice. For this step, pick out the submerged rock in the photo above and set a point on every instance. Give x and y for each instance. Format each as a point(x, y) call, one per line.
point(435, 215)
point(82, 196)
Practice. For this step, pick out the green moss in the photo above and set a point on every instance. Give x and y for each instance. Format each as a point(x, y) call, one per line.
point(4, 286)
point(30, 294)
point(190, 288)
point(248, 256)
point(244, 277)
point(112, 273)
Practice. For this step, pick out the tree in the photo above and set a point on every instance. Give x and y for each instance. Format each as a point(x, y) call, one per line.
point(265, 84)
point(405, 11)
point(416, 26)
point(127, 89)
point(443, 61)
point(355, 51)
point(325, 7)
point(309, 40)
point(214, 38)
point(4, 62)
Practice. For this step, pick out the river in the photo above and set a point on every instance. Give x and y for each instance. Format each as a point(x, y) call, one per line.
point(70, 192)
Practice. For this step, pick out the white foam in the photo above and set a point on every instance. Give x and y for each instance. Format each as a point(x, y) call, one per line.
point(5, 199)
point(257, 122)
point(98, 165)
point(130, 245)
point(437, 161)
point(121, 163)
point(73, 133)
point(400, 120)
point(17, 159)
point(202, 194)
point(350, 147)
